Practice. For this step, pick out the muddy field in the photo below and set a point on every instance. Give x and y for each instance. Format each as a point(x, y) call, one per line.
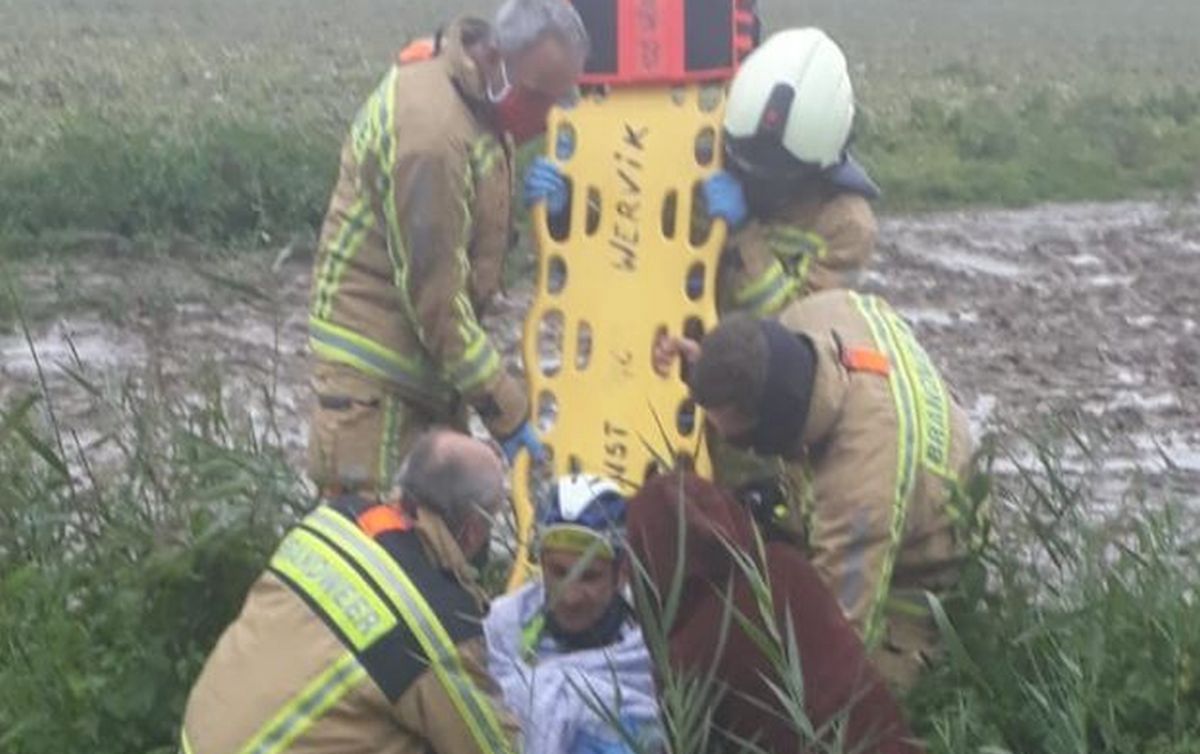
point(1089, 310)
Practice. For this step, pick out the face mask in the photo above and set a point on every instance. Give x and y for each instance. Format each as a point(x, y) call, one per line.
point(519, 112)
point(505, 88)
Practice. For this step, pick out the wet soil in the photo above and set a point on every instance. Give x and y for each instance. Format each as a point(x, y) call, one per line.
point(1089, 311)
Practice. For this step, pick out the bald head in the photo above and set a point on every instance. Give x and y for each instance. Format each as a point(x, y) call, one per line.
point(451, 474)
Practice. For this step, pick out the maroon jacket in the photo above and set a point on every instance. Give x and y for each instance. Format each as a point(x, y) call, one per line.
point(838, 677)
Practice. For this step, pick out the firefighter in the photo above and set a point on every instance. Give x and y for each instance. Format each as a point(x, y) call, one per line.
point(364, 632)
point(796, 202)
point(413, 244)
point(872, 447)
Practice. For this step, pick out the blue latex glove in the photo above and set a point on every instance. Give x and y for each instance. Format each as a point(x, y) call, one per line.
point(544, 182)
point(725, 199)
point(525, 437)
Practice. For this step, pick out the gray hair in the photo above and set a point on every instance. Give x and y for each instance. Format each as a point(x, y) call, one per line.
point(522, 23)
point(448, 483)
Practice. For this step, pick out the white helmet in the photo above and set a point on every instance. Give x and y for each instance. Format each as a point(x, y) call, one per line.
point(792, 98)
point(584, 511)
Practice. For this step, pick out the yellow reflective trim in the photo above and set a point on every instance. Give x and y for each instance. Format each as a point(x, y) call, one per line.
point(778, 300)
point(933, 402)
point(341, 593)
point(185, 746)
point(338, 356)
point(789, 243)
point(484, 154)
point(307, 707)
point(577, 539)
point(363, 132)
point(764, 283)
point(345, 246)
point(929, 392)
point(907, 428)
point(768, 294)
point(387, 362)
point(387, 190)
point(387, 444)
point(422, 622)
point(802, 271)
point(479, 364)
point(487, 368)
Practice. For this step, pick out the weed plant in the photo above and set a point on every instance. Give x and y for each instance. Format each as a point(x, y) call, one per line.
point(1066, 635)
point(123, 556)
point(1082, 638)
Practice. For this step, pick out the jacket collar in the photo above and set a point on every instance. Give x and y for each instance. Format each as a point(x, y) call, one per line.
point(445, 552)
point(460, 66)
point(829, 389)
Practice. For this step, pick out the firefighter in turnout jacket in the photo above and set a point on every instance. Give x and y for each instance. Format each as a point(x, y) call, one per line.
point(796, 202)
point(871, 447)
point(413, 244)
point(364, 634)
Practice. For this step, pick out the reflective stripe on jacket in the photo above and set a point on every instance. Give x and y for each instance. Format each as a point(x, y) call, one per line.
point(809, 245)
point(355, 639)
point(414, 241)
point(886, 447)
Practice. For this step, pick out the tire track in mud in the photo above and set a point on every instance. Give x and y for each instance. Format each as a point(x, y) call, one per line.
point(1090, 309)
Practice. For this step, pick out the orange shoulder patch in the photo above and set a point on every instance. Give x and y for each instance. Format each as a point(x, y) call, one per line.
point(381, 519)
point(866, 360)
point(419, 49)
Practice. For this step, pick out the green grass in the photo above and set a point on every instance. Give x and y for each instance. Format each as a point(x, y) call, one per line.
point(122, 558)
point(979, 150)
point(221, 120)
point(225, 182)
point(124, 555)
point(1081, 638)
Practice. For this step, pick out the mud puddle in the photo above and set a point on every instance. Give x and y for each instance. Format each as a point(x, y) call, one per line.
point(1088, 308)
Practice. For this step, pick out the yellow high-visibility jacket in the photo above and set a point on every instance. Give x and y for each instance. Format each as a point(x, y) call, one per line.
point(413, 245)
point(363, 635)
point(886, 446)
point(816, 241)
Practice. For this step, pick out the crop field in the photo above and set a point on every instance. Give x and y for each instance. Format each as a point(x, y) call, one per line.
point(220, 120)
point(164, 165)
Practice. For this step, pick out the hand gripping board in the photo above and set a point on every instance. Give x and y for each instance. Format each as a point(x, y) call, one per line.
point(612, 278)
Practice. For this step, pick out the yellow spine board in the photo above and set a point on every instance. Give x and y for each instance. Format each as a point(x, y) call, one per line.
point(614, 280)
